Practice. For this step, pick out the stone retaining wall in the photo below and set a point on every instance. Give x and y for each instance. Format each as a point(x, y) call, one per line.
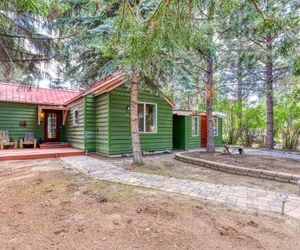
point(263, 174)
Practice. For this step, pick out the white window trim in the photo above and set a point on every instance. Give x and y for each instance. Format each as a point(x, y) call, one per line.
point(74, 120)
point(155, 104)
point(217, 126)
point(198, 128)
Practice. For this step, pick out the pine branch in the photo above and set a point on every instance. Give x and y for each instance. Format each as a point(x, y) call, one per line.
point(259, 10)
point(156, 10)
point(222, 32)
point(257, 43)
point(19, 51)
point(6, 52)
point(30, 60)
point(36, 38)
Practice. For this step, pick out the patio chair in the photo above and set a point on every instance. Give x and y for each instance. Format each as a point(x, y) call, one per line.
point(29, 139)
point(5, 141)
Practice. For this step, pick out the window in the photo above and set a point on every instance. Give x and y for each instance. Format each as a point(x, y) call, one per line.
point(215, 127)
point(147, 115)
point(75, 117)
point(195, 126)
point(51, 125)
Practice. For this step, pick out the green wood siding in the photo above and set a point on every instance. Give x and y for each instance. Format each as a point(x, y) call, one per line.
point(193, 141)
point(113, 123)
point(102, 123)
point(12, 113)
point(218, 140)
point(90, 123)
point(179, 132)
point(39, 130)
point(75, 133)
point(182, 133)
point(62, 133)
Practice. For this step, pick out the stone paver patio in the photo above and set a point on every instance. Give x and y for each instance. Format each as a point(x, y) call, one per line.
point(237, 196)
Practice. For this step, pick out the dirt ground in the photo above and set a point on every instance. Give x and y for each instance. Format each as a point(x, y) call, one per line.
point(166, 165)
point(276, 164)
point(46, 205)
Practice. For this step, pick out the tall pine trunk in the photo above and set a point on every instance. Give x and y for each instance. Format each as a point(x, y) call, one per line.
point(198, 93)
point(269, 89)
point(210, 147)
point(209, 95)
point(135, 136)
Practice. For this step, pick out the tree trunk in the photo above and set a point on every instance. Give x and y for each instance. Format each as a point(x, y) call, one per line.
point(135, 136)
point(210, 147)
point(188, 102)
point(269, 89)
point(198, 93)
point(209, 94)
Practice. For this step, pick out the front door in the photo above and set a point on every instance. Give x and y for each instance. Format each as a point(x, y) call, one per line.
point(52, 124)
point(203, 131)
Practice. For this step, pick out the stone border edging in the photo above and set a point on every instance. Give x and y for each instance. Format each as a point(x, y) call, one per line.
point(263, 174)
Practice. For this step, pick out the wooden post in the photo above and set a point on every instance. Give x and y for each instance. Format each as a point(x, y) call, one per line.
point(65, 112)
point(39, 115)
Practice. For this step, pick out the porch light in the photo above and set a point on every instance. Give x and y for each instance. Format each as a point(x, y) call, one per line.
point(42, 116)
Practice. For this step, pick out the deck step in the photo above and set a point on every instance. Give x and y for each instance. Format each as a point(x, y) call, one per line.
point(30, 154)
point(54, 145)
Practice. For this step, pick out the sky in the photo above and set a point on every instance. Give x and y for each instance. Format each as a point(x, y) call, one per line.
point(51, 69)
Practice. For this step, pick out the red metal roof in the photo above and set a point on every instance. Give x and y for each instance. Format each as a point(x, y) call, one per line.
point(22, 94)
point(119, 75)
point(109, 84)
point(19, 93)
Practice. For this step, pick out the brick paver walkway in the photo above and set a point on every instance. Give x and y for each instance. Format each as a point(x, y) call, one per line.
point(237, 196)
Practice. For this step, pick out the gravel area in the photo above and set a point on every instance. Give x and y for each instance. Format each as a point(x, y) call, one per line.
point(50, 206)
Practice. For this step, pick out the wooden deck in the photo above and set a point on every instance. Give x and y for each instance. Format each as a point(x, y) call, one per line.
point(30, 153)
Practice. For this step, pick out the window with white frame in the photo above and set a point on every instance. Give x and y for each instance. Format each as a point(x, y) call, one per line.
point(215, 127)
point(75, 117)
point(195, 126)
point(147, 114)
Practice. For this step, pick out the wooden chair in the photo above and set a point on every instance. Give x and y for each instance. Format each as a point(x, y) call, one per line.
point(29, 139)
point(5, 141)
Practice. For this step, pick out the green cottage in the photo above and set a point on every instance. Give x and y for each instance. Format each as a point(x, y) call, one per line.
point(190, 129)
point(96, 120)
point(102, 119)
point(26, 109)
point(186, 130)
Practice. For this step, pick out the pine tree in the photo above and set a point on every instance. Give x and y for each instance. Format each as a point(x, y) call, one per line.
point(22, 46)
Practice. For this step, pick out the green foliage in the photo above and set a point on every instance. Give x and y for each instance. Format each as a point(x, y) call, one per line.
point(243, 124)
point(56, 83)
point(25, 6)
point(296, 66)
point(22, 46)
point(170, 42)
point(287, 117)
point(232, 124)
